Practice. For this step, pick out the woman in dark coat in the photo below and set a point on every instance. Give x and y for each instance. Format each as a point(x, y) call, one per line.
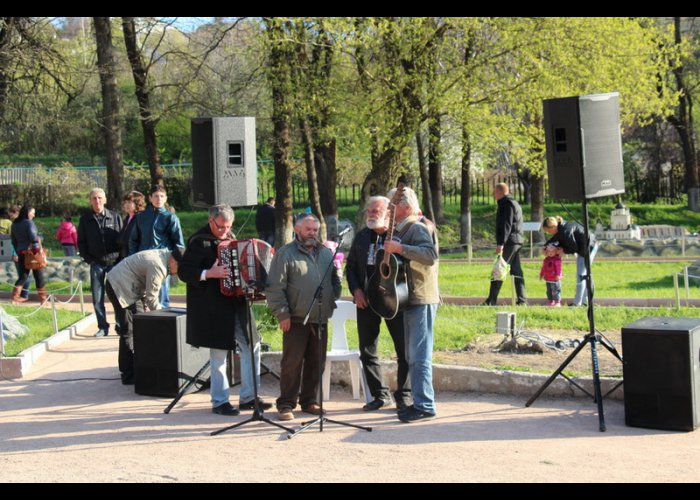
point(214, 320)
point(25, 239)
point(571, 237)
point(133, 203)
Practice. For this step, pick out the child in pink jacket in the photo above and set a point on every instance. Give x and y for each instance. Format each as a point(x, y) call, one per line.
point(551, 273)
point(67, 236)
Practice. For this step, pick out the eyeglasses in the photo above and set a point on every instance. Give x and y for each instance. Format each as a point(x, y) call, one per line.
point(221, 228)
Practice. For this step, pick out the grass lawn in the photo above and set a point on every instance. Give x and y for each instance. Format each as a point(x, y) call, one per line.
point(457, 326)
point(40, 325)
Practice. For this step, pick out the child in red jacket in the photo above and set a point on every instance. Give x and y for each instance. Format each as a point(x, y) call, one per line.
point(67, 236)
point(551, 273)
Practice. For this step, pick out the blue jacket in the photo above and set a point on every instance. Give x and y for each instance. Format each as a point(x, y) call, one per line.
point(155, 228)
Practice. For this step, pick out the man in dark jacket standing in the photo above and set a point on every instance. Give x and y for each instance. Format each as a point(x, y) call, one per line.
point(214, 320)
point(509, 241)
point(360, 266)
point(98, 242)
point(265, 221)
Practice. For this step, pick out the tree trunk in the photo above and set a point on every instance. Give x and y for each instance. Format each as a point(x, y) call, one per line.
point(435, 168)
point(326, 174)
point(279, 78)
point(148, 124)
point(380, 180)
point(111, 122)
point(424, 179)
point(7, 29)
point(465, 202)
point(309, 159)
point(683, 123)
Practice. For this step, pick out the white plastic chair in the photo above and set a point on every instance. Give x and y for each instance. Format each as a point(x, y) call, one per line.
point(339, 351)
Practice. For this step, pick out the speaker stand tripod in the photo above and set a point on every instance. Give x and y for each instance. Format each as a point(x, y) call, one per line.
point(257, 410)
point(592, 338)
point(318, 329)
point(198, 378)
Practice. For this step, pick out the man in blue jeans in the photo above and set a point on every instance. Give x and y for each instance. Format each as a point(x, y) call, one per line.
point(417, 244)
point(98, 242)
point(218, 321)
point(157, 227)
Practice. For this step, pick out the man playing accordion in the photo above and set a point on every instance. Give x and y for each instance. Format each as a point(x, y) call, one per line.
point(215, 320)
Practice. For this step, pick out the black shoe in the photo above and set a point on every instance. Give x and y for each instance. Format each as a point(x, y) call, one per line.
point(401, 405)
point(128, 380)
point(225, 409)
point(250, 405)
point(375, 405)
point(412, 414)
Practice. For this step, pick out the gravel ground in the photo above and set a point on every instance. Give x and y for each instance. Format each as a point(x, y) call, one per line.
point(90, 428)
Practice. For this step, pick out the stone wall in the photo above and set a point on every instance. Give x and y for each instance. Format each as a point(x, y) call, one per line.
point(657, 247)
point(59, 269)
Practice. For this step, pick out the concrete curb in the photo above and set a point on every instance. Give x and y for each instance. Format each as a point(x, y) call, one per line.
point(445, 377)
point(18, 366)
point(469, 379)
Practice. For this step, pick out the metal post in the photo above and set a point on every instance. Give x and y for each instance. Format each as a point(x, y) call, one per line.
point(80, 293)
point(53, 313)
point(678, 292)
point(2, 338)
point(687, 287)
point(531, 244)
point(683, 244)
point(71, 282)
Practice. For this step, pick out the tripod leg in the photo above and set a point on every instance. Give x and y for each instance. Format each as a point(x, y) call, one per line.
point(557, 372)
point(186, 386)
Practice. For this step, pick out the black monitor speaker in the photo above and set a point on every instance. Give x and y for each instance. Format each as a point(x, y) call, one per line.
point(661, 367)
point(163, 361)
point(584, 146)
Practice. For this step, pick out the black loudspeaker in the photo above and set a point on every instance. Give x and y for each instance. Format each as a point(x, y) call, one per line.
point(660, 369)
point(224, 165)
point(163, 361)
point(584, 146)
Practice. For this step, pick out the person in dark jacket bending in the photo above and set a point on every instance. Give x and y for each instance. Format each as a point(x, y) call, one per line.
point(509, 241)
point(571, 237)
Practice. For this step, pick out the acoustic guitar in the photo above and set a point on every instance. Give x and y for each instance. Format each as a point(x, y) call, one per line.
point(387, 290)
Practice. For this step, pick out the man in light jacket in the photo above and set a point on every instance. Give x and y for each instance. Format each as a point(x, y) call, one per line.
point(133, 286)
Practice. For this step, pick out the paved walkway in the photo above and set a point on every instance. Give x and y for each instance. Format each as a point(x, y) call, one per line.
point(72, 420)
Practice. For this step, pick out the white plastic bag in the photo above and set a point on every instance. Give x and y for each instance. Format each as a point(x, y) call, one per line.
point(500, 269)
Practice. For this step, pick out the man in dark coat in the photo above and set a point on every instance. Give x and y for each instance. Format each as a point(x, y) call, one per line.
point(265, 221)
point(214, 320)
point(509, 241)
point(98, 242)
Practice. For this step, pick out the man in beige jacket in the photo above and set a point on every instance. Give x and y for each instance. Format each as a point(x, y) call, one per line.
point(133, 286)
point(417, 244)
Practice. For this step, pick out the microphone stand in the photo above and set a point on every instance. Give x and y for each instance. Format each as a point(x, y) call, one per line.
point(257, 411)
point(318, 329)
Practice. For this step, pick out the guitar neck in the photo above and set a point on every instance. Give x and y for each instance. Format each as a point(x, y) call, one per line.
point(389, 231)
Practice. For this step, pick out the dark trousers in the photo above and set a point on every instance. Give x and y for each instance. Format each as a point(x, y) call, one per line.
point(511, 254)
point(23, 272)
point(368, 324)
point(125, 329)
point(300, 365)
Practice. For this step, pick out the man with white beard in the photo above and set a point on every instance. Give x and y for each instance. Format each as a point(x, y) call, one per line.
point(359, 268)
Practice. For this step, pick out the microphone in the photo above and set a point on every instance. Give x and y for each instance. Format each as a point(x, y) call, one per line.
point(343, 233)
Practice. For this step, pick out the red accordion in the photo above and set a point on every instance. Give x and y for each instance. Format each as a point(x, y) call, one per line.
point(248, 262)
